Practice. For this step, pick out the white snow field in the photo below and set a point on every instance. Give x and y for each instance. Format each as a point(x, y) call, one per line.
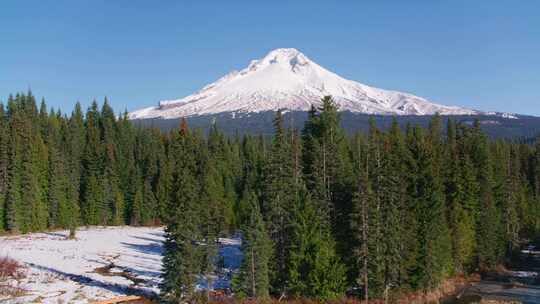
point(102, 263)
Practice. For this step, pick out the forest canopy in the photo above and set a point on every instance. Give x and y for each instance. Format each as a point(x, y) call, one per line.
point(322, 213)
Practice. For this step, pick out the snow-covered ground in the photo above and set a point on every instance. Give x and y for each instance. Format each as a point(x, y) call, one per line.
point(102, 263)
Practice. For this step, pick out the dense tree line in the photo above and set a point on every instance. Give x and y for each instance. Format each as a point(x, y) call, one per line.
point(92, 168)
point(322, 214)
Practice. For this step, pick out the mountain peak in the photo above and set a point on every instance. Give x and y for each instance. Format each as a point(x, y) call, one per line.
point(287, 79)
point(283, 55)
point(287, 53)
point(286, 57)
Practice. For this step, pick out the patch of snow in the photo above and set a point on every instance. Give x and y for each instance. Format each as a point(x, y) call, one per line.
point(59, 270)
point(531, 251)
point(230, 254)
point(524, 274)
point(503, 115)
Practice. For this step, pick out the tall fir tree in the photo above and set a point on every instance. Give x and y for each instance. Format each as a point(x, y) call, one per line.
point(315, 270)
point(93, 213)
point(13, 203)
point(254, 277)
point(4, 163)
point(361, 226)
point(328, 171)
point(58, 205)
point(434, 243)
point(180, 259)
point(279, 198)
point(394, 206)
point(488, 221)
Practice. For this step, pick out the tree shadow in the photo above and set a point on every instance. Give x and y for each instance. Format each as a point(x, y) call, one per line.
point(135, 271)
point(87, 281)
point(150, 259)
point(153, 248)
point(153, 240)
point(161, 235)
point(57, 234)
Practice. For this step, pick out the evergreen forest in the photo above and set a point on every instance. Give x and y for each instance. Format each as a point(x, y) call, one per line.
point(323, 214)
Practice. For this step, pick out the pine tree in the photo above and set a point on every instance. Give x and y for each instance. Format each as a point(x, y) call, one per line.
point(180, 259)
point(92, 208)
point(137, 208)
point(434, 251)
point(34, 209)
point(461, 192)
point(315, 270)
point(254, 280)
point(394, 199)
point(360, 222)
point(111, 188)
point(126, 164)
point(328, 172)
point(92, 201)
point(4, 162)
point(57, 175)
point(510, 200)
point(40, 165)
point(374, 245)
point(14, 220)
point(252, 162)
point(216, 183)
point(327, 169)
point(75, 145)
point(463, 207)
point(149, 204)
point(278, 200)
point(488, 225)
point(118, 209)
point(163, 187)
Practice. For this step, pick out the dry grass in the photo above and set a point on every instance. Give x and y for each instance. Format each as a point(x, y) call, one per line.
point(498, 302)
point(293, 301)
point(10, 269)
point(342, 301)
point(11, 291)
point(125, 300)
point(449, 287)
point(10, 274)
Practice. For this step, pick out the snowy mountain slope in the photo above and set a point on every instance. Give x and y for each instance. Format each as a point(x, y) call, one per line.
point(287, 79)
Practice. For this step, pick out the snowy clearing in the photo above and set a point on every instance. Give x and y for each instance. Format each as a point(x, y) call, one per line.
point(102, 263)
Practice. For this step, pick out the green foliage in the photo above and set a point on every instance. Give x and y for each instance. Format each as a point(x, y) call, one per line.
point(433, 237)
point(461, 188)
point(320, 212)
point(181, 256)
point(315, 270)
point(137, 208)
point(254, 277)
point(328, 174)
point(278, 199)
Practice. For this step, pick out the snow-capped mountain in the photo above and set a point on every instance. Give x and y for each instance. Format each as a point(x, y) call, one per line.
point(287, 79)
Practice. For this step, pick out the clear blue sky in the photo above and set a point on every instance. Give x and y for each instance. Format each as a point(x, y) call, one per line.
point(479, 54)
